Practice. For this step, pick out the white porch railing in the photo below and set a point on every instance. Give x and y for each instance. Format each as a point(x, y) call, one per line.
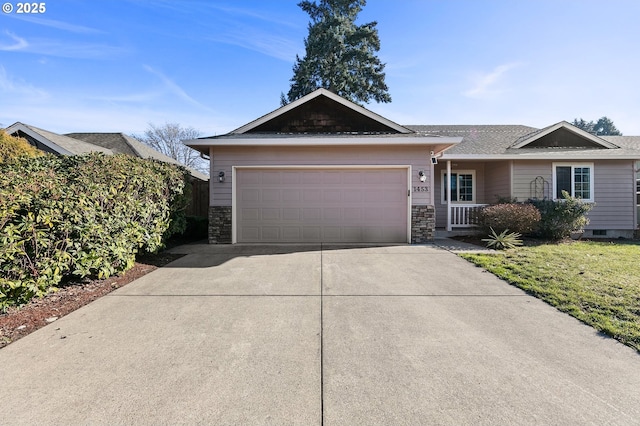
point(464, 215)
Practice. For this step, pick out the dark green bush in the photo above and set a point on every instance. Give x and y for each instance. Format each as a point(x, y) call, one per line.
point(519, 218)
point(83, 216)
point(560, 218)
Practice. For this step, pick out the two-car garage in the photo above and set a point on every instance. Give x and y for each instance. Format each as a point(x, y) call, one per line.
point(368, 204)
point(322, 169)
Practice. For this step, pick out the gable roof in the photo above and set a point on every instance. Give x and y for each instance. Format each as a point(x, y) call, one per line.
point(323, 118)
point(489, 142)
point(120, 143)
point(589, 139)
point(377, 122)
point(84, 143)
point(63, 145)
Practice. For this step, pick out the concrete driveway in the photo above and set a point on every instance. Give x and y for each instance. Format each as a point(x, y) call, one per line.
point(399, 335)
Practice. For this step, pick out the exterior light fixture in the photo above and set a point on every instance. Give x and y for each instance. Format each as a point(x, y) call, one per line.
point(221, 177)
point(423, 177)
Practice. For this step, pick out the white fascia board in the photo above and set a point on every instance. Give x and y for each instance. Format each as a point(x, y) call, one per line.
point(324, 141)
point(313, 95)
point(26, 129)
point(555, 157)
point(570, 127)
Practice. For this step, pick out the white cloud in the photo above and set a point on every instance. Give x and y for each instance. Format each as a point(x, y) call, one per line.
point(488, 85)
point(10, 86)
point(171, 87)
point(62, 49)
point(65, 26)
point(18, 43)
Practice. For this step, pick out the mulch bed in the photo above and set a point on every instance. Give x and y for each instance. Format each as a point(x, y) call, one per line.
point(18, 322)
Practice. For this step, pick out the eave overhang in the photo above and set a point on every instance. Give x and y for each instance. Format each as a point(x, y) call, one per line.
point(555, 156)
point(436, 144)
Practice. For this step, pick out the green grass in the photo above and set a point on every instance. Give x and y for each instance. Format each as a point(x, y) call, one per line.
point(596, 282)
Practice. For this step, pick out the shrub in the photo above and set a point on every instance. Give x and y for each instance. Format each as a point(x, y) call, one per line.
point(504, 240)
point(519, 218)
point(82, 216)
point(12, 147)
point(562, 217)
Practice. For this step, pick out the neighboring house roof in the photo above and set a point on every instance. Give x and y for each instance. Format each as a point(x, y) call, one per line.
point(84, 143)
point(59, 144)
point(124, 144)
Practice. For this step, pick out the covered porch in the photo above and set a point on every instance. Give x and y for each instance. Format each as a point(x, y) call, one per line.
point(470, 186)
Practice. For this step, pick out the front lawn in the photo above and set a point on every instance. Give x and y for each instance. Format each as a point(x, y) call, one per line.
point(596, 282)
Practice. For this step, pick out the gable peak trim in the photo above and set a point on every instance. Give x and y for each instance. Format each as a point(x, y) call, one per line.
point(563, 125)
point(317, 93)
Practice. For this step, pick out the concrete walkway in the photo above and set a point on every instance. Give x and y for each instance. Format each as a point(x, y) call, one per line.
point(310, 335)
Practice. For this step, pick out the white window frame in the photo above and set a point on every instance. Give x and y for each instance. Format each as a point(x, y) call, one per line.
point(443, 191)
point(573, 166)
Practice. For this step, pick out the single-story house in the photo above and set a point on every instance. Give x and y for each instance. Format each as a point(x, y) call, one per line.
point(83, 143)
point(323, 169)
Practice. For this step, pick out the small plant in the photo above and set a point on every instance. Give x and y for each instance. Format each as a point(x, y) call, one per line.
point(504, 240)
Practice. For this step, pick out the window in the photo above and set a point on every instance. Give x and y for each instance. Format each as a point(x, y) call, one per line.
point(576, 179)
point(462, 187)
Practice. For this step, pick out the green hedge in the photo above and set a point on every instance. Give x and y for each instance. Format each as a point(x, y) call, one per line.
point(82, 216)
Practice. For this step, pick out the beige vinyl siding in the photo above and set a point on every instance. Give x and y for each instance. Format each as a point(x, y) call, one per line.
point(223, 159)
point(525, 172)
point(614, 189)
point(614, 185)
point(497, 176)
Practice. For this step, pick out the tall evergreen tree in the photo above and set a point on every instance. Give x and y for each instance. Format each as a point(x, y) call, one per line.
point(340, 55)
point(603, 127)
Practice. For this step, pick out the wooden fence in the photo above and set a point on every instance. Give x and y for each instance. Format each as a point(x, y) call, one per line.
point(199, 205)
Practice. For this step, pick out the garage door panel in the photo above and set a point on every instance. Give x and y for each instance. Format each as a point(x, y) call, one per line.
point(291, 214)
point(291, 177)
point(311, 178)
point(332, 233)
point(332, 214)
point(352, 195)
point(248, 194)
point(271, 214)
point(332, 177)
point(292, 233)
point(271, 195)
point(325, 205)
point(311, 233)
point(271, 233)
point(250, 233)
point(312, 195)
point(332, 195)
point(352, 177)
point(247, 214)
point(310, 215)
point(272, 177)
point(289, 195)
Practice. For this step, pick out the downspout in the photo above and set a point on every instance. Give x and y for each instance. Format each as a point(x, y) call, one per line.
point(448, 183)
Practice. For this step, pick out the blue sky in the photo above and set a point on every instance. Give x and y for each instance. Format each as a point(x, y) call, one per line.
point(116, 65)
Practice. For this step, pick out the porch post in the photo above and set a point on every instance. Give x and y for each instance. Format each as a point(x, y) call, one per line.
point(448, 189)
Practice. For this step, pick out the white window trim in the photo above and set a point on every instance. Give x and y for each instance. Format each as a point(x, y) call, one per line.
point(458, 172)
point(591, 199)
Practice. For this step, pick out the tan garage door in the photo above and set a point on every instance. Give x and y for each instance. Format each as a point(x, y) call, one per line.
point(321, 205)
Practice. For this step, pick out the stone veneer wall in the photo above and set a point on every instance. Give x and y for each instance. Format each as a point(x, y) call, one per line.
point(423, 224)
point(219, 224)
